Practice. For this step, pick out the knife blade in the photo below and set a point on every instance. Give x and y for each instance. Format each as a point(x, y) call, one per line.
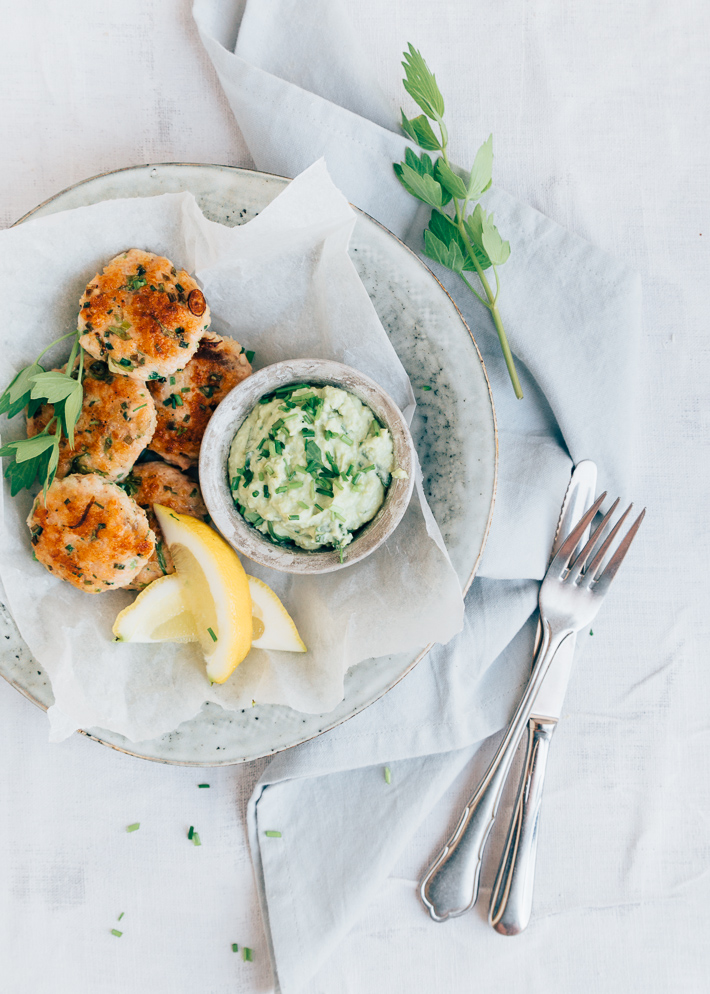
point(511, 897)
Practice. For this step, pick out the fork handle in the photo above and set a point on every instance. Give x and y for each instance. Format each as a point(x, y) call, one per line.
point(511, 898)
point(450, 885)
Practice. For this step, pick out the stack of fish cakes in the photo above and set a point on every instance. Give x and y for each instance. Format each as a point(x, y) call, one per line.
point(154, 375)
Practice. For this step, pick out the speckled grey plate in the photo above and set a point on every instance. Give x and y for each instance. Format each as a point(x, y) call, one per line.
point(453, 430)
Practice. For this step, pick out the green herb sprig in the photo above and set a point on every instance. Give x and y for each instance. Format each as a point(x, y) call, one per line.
point(465, 242)
point(33, 387)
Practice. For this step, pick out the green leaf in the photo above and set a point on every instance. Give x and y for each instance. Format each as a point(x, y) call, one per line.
point(474, 230)
point(21, 476)
point(481, 171)
point(17, 394)
point(420, 131)
point(53, 386)
point(30, 448)
point(421, 163)
point(497, 250)
point(422, 187)
point(449, 180)
point(449, 255)
point(420, 84)
point(71, 411)
point(446, 231)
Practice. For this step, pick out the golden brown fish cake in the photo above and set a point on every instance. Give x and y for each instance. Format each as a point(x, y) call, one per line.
point(186, 401)
point(157, 483)
point(143, 316)
point(116, 422)
point(90, 533)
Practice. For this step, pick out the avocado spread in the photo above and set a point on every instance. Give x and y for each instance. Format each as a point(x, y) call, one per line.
point(310, 465)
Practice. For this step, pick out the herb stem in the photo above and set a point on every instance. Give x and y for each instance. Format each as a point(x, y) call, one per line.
point(56, 342)
point(493, 308)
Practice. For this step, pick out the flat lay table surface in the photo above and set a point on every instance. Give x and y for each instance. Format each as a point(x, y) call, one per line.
point(601, 121)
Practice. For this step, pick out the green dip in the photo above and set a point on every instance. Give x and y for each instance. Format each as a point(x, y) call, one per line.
point(310, 465)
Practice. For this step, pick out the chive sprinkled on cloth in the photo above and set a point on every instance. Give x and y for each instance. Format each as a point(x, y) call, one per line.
point(191, 832)
point(203, 785)
point(114, 931)
point(120, 916)
point(426, 387)
point(134, 827)
point(196, 839)
point(271, 834)
point(235, 947)
point(247, 955)
point(388, 775)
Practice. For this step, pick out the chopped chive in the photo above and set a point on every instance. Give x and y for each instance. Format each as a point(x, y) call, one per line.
point(212, 635)
point(348, 441)
point(388, 775)
point(255, 493)
point(134, 827)
point(235, 947)
point(326, 493)
point(281, 490)
point(366, 469)
point(425, 387)
point(294, 517)
point(302, 504)
point(356, 477)
point(172, 381)
point(196, 839)
point(591, 632)
point(172, 515)
point(203, 785)
point(318, 506)
point(335, 514)
point(191, 832)
point(266, 491)
point(349, 470)
point(139, 408)
point(114, 931)
point(261, 477)
point(120, 916)
point(246, 954)
point(272, 835)
point(341, 548)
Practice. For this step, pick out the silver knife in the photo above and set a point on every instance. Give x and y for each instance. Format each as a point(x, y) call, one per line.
point(511, 897)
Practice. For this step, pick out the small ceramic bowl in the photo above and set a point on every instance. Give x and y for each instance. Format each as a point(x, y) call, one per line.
point(214, 475)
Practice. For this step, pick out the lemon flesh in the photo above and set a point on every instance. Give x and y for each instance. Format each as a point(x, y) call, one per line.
point(215, 590)
point(159, 614)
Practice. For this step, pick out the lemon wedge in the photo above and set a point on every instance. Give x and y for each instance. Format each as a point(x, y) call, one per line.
point(215, 590)
point(160, 614)
point(272, 625)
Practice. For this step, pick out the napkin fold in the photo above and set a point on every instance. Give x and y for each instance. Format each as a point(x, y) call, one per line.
point(300, 88)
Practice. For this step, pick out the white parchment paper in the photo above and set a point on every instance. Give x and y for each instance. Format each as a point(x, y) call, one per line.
point(284, 286)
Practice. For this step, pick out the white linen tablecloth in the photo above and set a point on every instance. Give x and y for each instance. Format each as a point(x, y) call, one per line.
point(600, 118)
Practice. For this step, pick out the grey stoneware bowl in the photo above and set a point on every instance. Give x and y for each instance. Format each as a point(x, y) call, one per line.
point(214, 475)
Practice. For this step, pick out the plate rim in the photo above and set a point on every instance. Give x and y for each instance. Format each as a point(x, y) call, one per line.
point(474, 569)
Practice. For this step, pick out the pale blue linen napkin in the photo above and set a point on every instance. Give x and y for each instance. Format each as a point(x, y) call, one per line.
point(573, 319)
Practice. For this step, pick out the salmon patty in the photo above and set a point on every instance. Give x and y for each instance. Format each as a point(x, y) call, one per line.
point(116, 422)
point(186, 401)
point(156, 483)
point(143, 316)
point(90, 533)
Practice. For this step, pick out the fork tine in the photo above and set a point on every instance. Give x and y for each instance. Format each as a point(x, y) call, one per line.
point(578, 565)
point(560, 562)
point(594, 565)
point(602, 584)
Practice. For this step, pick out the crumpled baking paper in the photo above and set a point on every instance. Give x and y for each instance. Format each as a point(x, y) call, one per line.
point(284, 286)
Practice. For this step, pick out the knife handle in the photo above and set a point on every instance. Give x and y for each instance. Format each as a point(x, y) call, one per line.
point(511, 897)
point(450, 885)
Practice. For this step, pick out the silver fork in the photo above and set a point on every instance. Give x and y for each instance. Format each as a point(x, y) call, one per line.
point(570, 596)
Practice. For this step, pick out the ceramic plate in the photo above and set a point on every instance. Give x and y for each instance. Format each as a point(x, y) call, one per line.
point(454, 432)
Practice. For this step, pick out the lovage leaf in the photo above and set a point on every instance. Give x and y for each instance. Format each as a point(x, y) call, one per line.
point(497, 250)
point(17, 394)
point(449, 255)
point(420, 163)
point(420, 131)
point(481, 171)
point(446, 231)
point(71, 409)
point(422, 187)
point(53, 386)
point(30, 448)
point(474, 230)
point(420, 84)
point(449, 180)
